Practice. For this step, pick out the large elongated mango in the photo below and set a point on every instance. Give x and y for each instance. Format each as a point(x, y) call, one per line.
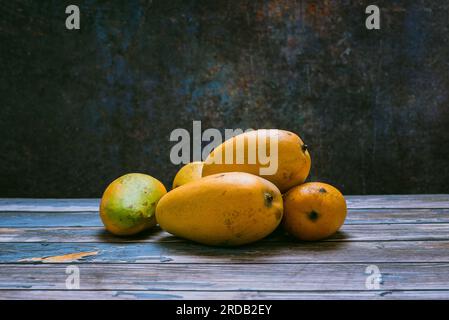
point(225, 209)
point(277, 155)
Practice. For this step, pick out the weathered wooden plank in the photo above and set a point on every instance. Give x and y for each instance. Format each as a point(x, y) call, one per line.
point(361, 232)
point(259, 277)
point(397, 216)
point(92, 219)
point(262, 252)
point(19, 219)
point(422, 201)
point(224, 295)
point(371, 201)
point(55, 205)
point(392, 232)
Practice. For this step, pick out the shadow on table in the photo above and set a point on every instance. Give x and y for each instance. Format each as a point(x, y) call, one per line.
point(150, 235)
point(276, 248)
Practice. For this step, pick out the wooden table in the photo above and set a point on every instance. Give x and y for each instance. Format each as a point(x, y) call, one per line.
point(406, 238)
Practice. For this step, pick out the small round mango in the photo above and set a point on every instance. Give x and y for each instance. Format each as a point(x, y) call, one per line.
point(188, 173)
point(128, 204)
point(313, 211)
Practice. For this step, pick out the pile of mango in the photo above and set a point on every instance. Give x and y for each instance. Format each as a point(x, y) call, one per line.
point(229, 203)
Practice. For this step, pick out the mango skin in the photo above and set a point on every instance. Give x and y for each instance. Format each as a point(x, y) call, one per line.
point(293, 158)
point(313, 211)
point(227, 209)
point(129, 203)
point(190, 172)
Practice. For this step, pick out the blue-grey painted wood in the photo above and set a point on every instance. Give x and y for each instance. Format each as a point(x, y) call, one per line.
point(260, 252)
point(22, 219)
point(356, 202)
point(406, 236)
point(19, 294)
point(219, 277)
point(58, 205)
point(348, 233)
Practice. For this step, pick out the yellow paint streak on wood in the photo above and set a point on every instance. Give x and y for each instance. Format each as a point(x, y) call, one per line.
point(64, 258)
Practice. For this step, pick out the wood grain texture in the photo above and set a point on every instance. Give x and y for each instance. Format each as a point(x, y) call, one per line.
point(219, 277)
point(17, 219)
point(222, 295)
point(261, 252)
point(399, 201)
point(422, 201)
point(407, 237)
point(362, 232)
point(52, 205)
point(396, 216)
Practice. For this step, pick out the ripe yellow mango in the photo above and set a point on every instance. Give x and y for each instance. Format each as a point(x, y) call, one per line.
point(242, 153)
point(188, 173)
point(226, 209)
point(313, 211)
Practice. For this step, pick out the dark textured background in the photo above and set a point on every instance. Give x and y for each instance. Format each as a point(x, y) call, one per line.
point(79, 108)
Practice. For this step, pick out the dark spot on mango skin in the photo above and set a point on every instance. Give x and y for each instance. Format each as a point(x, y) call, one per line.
point(287, 175)
point(322, 190)
point(304, 148)
point(278, 214)
point(268, 197)
point(313, 216)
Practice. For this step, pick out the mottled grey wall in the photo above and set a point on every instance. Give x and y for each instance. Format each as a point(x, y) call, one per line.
point(79, 108)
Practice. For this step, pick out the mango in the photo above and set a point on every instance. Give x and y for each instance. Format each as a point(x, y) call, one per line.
point(238, 154)
point(226, 209)
point(129, 203)
point(313, 211)
point(190, 172)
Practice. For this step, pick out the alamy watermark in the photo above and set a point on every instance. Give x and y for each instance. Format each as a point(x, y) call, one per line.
point(72, 281)
point(72, 22)
point(261, 149)
point(374, 280)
